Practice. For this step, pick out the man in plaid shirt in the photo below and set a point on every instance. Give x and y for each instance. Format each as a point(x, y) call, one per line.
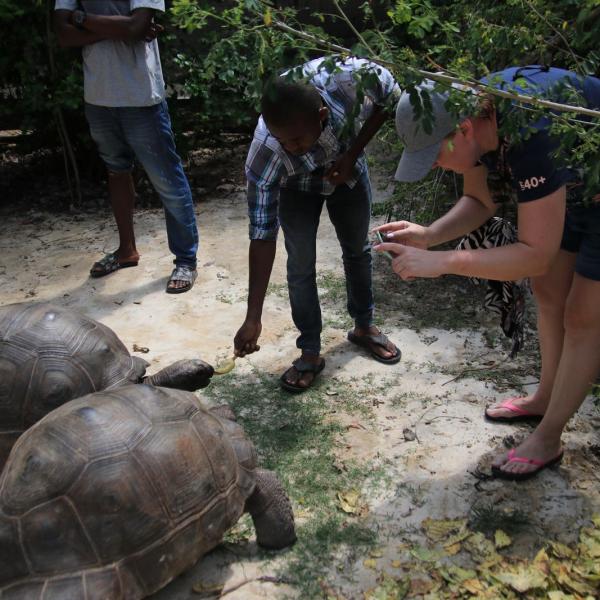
point(307, 151)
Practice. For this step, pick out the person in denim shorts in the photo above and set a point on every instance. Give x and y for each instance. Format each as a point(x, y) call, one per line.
point(558, 243)
point(128, 117)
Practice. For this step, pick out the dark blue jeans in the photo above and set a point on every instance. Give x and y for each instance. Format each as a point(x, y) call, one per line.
point(299, 215)
point(125, 133)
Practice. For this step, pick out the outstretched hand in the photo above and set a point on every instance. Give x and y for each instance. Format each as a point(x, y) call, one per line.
point(405, 233)
point(410, 262)
point(245, 339)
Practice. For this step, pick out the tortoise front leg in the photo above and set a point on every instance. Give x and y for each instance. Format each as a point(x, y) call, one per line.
point(271, 512)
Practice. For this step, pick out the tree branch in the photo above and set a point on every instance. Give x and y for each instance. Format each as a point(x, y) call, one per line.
point(262, 579)
point(444, 78)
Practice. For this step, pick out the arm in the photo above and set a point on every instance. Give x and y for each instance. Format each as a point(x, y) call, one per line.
point(342, 169)
point(262, 257)
point(133, 28)
point(70, 36)
point(540, 230)
point(136, 27)
point(263, 171)
point(541, 225)
point(383, 91)
point(472, 210)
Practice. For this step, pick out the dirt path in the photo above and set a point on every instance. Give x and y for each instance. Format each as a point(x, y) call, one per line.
point(420, 425)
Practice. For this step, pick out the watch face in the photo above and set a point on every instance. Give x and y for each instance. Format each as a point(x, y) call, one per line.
point(79, 17)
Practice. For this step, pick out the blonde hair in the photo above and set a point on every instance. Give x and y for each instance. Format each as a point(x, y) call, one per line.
point(486, 108)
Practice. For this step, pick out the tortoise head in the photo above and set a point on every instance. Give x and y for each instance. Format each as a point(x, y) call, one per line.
point(188, 374)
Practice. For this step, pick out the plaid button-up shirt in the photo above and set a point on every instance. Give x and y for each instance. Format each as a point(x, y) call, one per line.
point(269, 167)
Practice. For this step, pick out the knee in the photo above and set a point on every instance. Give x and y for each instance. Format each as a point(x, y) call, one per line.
point(579, 322)
point(301, 271)
point(546, 297)
point(357, 253)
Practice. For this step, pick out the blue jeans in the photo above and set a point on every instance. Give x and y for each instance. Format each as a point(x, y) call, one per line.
point(123, 134)
point(349, 211)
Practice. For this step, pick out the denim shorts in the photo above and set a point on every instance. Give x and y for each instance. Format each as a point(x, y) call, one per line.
point(123, 134)
point(581, 235)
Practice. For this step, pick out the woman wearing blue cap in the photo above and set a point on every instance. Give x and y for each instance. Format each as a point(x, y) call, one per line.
point(558, 243)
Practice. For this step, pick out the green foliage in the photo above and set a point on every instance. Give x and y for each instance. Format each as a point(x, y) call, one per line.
point(34, 78)
point(224, 74)
point(219, 54)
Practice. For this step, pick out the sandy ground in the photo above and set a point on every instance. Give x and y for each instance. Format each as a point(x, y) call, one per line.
point(47, 257)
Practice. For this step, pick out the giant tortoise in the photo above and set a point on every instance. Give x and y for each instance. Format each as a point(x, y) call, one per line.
point(50, 355)
point(114, 494)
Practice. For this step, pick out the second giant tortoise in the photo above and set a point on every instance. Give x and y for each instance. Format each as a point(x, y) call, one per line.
point(114, 494)
point(50, 355)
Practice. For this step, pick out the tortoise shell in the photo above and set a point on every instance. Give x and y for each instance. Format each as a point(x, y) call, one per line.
point(50, 355)
point(114, 494)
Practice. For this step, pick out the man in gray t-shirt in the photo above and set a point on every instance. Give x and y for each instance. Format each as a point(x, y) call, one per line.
point(128, 117)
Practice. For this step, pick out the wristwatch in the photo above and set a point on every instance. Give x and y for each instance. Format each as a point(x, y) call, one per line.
point(79, 18)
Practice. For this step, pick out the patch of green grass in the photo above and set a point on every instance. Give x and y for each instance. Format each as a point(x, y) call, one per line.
point(225, 298)
point(297, 437)
point(403, 398)
point(487, 518)
point(278, 289)
point(332, 287)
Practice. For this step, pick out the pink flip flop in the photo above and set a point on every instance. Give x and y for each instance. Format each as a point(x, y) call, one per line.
point(519, 414)
point(513, 458)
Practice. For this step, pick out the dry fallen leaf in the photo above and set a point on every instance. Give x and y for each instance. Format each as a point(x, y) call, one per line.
point(350, 502)
point(561, 550)
point(438, 530)
point(370, 563)
point(208, 589)
point(501, 539)
point(589, 542)
point(481, 549)
point(141, 349)
point(420, 586)
point(523, 578)
point(473, 586)
point(452, 549)
point(388, 589)
point(226, 366)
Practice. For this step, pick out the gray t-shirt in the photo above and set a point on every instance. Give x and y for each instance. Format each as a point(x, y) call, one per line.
point(120, 73)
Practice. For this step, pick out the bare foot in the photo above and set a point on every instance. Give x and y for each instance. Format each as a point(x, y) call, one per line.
point(181, 280)
point(535, 448)
point(385, 352)
point(531, 404)
point(305, 379)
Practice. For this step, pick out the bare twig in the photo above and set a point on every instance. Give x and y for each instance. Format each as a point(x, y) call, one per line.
point(351, 25)
point(473, 370)
point(556, 31)
point(262, 579)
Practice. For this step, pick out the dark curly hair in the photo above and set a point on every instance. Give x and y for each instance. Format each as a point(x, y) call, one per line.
point(284, 101)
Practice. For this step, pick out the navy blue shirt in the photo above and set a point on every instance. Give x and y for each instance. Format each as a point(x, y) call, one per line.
point(530, 164)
